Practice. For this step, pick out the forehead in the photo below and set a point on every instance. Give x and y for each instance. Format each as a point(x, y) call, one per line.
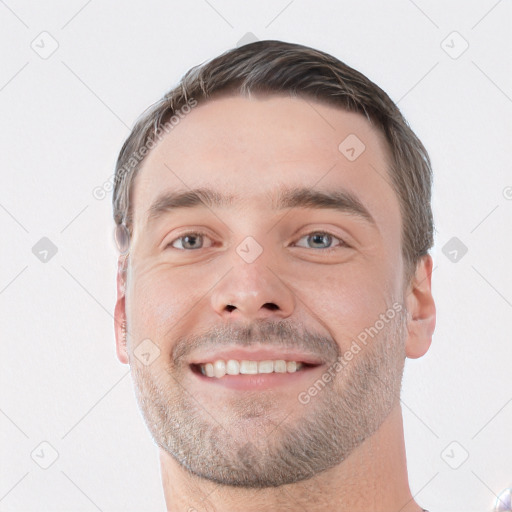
point(247, 147)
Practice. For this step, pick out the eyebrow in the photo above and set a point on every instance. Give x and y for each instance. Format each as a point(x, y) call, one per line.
point(286, 197)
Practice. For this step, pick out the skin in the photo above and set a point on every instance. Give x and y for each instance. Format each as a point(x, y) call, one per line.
point(188, 300)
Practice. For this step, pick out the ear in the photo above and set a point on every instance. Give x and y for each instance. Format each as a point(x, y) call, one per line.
point(120, 310)
point(422, 310)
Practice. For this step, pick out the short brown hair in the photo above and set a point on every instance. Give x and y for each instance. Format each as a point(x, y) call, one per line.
point(276, 67)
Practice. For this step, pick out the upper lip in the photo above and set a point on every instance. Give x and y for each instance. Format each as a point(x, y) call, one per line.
point(255, 354)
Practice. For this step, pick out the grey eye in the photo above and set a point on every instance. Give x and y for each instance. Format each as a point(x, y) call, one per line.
point(319, 240)
point(188, 241)
point(192, 241)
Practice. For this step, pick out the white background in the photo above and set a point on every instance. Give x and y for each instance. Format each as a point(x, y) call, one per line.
point(63, 120)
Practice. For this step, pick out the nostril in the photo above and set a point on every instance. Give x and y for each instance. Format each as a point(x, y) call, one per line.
point(269, 305)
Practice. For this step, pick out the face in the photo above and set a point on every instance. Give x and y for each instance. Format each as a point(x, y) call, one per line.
point(291, 260)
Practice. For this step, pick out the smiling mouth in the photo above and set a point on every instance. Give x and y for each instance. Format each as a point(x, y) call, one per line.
point(220, 368)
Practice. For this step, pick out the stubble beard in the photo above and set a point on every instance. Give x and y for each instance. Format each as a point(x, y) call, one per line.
point(254, 450)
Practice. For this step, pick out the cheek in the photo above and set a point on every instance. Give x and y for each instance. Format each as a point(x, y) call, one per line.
point(348, 299)
point(158, 300)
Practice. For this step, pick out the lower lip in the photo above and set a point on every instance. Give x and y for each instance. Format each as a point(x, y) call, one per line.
point(259, 381)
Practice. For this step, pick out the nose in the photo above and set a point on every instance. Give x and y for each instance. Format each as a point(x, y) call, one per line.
point(253, 291)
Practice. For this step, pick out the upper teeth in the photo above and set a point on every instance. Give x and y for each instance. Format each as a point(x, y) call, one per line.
point(220, 368)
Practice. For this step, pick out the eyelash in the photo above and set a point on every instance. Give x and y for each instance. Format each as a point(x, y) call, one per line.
point(202, 233)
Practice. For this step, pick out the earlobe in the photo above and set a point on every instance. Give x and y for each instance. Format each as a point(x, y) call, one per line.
point(422, 310)
point(120, 311)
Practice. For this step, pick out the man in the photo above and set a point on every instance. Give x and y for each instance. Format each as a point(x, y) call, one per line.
point(273, 212)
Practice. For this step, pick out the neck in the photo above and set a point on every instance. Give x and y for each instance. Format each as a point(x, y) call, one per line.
point(373, 478)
